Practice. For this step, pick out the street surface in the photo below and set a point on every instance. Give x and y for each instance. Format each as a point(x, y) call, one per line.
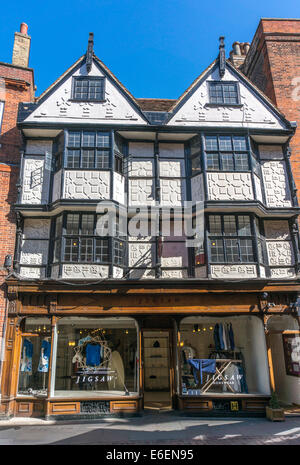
point(162, 429)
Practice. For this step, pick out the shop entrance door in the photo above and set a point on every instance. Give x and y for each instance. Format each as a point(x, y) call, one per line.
point(157, 374)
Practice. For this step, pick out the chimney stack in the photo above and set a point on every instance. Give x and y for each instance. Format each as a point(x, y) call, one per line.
point(238, 53)
point(21, 47)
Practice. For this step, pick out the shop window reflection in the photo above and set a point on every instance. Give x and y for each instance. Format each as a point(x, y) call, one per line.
point(35, 358)
point(218, 356)
point(96, 357)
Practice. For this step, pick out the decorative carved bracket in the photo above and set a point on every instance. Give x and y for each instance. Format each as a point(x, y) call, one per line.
point(52, 303)
point(89, 52)
point(265, 322)
point(12, 296)
point(222, 59)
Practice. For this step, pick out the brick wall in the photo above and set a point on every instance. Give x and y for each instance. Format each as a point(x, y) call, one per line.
point(273, 64)
point(16, 85)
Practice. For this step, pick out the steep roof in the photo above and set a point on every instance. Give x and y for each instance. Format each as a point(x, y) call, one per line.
point(167, 106)
point(155, 104)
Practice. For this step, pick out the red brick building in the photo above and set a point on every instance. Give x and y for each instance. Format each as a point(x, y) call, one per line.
point(272, 62)
point(16, 85)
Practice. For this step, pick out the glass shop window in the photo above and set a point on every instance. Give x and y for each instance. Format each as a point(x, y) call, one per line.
point(96, 357)
point(35, 357)
point(218, 356)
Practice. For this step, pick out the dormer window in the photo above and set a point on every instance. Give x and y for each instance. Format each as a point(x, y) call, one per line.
point(89, 88)
point(224, 93)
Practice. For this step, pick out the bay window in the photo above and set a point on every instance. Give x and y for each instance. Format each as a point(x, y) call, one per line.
point(226, 153)
point(231, 239)
point(77, 240)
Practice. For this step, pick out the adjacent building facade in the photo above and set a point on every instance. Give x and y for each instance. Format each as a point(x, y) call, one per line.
point(157, 241)
point(272, 62)
point(16, 85)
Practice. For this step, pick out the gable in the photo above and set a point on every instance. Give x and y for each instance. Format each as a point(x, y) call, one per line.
point(194, 108)
point(57, 105)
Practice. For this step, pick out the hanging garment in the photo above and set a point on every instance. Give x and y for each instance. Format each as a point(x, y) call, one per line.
point(224, 337)
point(244, 387)
point(227, 336)
point(202, 365)
point(221, 336)
point(93, 357)
point(26, 361)
point(44, 357)
point(216, 337)
point(231, 337)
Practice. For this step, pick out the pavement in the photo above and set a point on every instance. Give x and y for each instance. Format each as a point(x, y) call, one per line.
point(166, 428)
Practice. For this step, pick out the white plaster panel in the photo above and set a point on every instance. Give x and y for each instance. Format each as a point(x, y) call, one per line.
point(172, 192)
point(35, 186)
point(141, 192)
point(172, 168)
point(119, 188)
point(140, 239)
point(258, 189)
point(141, 168)
point(197, 188)
point(169, 150)
point(60, 107)
point(141, 255)
point(196, 111)
point(34, 252)
point(276, 184)
point(142, 274)
point(56, 193)
point(87, 185)
point(171, 262)
point(32, 272)
point(229, 186)
point(38, 147)
point(141, 149)
point(118, 273)
point(80, 271)
point(36, 228)
point(280, 253)
point(233, 271)
point(270, 152)
point(282, 273)
point(277, 230)
point(173, 274)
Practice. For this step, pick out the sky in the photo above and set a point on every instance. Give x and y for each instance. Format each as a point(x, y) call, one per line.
point(156, 48)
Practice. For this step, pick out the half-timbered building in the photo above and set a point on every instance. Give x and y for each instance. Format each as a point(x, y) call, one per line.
point(149, 313)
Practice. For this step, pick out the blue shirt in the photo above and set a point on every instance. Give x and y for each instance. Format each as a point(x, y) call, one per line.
point(93, 357)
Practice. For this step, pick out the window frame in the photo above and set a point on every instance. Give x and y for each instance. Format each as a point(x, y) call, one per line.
point(82, 148)
point(61, 238)
point(221, 152)
point(224, 238)
point(2, 108)
point(76, 79)
point(211, 84)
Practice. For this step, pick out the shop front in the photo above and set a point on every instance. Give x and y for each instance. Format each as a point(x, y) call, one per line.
point(223, 364)
point(93, 355)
